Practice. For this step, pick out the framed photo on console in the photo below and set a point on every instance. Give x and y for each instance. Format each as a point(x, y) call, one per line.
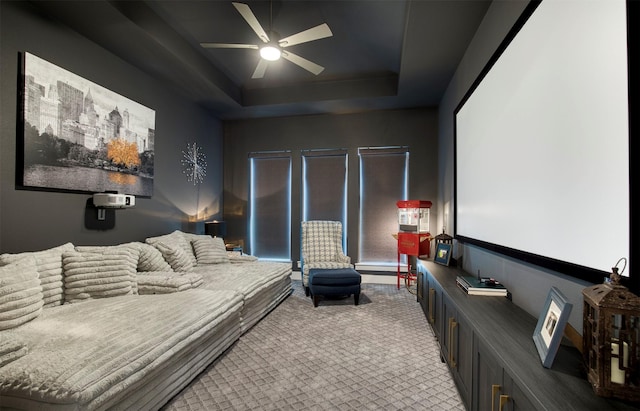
point(550, 328)
point(443, 253)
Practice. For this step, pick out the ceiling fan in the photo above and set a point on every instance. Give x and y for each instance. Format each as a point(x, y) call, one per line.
point(273, 47)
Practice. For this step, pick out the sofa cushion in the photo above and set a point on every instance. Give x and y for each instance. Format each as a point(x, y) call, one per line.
point(176, 239)
point(90, 275)
point(119, 353)
point(334, 277)
point(151, 259)
point(175, 256)
point(11, 348)
point(130, 251)
point(148, 257)
point(49, 267)
point(21, 297)
point(167, 282)
point(210, 250)
point(262, 284)
point(234, 257)
point(191, 236)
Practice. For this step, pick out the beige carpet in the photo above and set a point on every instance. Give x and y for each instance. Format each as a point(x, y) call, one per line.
point(379, 355)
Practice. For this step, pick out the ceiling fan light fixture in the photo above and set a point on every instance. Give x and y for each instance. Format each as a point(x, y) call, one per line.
point(270, 53)
point(274, 47)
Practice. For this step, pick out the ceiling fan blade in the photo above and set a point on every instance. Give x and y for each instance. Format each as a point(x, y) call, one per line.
point(228, 46)
point(302, 62)
point(260, 69)
point(314, 33)
point(248, 15)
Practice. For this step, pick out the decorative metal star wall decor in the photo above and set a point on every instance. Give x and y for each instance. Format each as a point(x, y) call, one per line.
point(194, 162)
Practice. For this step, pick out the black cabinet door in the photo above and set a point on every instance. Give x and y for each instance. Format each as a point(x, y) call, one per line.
point(464, 350)
point(493, 388)
point(457, 348)
point(516, 400)
point(421, 287)
point(449, 325)
point(488, 383)
point(434, 306)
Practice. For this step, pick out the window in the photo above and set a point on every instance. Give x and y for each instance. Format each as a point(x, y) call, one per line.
point(383, 181)
point(324, 186)
point(270, 211)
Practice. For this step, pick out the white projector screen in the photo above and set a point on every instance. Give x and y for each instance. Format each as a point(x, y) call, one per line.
point(542, 141)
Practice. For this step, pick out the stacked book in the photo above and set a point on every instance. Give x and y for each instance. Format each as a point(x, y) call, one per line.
point(481, 286)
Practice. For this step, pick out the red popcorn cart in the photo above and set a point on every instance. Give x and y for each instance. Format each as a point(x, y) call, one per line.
point(413, 216)
point(413, 234)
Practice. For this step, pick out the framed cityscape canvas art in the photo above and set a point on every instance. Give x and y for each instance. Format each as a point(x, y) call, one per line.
point(81, 137)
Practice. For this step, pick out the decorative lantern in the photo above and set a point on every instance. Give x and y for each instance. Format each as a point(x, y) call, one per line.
point(611, 338)
point(443, 238)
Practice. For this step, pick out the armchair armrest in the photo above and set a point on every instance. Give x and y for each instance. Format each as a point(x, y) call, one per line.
point(344, 258)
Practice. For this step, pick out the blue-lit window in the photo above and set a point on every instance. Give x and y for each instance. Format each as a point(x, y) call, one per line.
point(383, 181)
point(270, 206)
point(324, 186)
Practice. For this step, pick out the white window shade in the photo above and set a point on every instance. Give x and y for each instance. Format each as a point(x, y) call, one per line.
point(270, 211)
point(324, 185)
point(383, 181)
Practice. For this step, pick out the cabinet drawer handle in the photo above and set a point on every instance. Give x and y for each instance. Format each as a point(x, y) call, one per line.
point(432, 302)
point(495, 388)
point(450, 342)
point(452, 326)
point(503, 401)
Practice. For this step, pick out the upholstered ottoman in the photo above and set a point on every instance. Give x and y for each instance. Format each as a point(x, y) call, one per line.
point(334, 282)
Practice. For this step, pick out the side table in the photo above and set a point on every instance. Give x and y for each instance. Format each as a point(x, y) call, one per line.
point(234, 248)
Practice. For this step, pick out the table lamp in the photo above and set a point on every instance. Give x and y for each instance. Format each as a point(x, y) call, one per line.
point(216, 228)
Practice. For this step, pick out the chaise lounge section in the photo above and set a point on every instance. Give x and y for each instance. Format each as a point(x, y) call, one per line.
point(119, 327)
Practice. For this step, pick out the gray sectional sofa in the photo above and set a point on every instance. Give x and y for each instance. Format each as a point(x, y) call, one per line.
point(125, 326)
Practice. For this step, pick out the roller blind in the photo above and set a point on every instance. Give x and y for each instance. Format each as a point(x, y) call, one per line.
point(383, 181)
point(270, 211)
point(324, 187)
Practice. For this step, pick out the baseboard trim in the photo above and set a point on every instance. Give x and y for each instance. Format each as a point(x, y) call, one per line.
point(378, 267)
point(369, 267)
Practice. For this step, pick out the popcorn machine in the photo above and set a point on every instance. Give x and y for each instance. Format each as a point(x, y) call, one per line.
point(413, 235)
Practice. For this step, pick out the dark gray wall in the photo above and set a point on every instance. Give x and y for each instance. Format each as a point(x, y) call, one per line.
point(529, 284)
point(33, 220)
point(414, 128)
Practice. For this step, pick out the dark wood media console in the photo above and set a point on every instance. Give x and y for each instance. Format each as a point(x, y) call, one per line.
point(488, 344)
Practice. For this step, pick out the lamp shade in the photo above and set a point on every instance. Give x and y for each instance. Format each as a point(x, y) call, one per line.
point(216, 228)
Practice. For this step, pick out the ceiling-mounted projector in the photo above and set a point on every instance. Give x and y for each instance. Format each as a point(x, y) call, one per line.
point(110, 200)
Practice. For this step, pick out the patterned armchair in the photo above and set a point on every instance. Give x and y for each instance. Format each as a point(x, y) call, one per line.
point(321, 247)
